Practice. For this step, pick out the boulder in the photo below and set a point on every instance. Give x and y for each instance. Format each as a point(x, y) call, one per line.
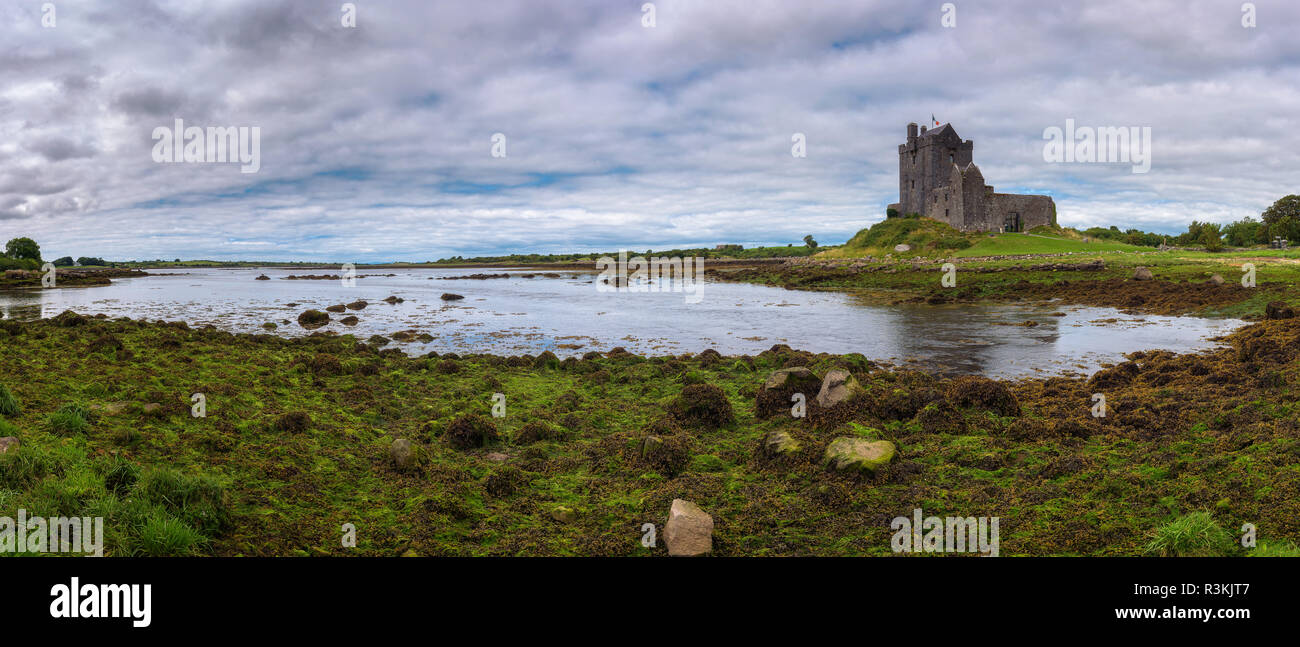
point(844, 454)
point(1216, 279)
point(838, 386)
point(902, 247)
point(790, 377)
point(689, 531)
point(1142, 274)
point(649, 445)
point(780, 443)
point(7, 443)
point(357, 305)
point(403, 453)
point(336, 308)
point(564, 514)
point(447, 296)
point(262, 277)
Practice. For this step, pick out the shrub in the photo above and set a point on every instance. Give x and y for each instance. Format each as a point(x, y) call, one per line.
point(68, 422)
point(120, 475)
point(8, 403)
point(1192, 535)
point(199, 501)
point(163, 536)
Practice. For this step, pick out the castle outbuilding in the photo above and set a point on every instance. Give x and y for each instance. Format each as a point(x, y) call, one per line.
point(938, 179)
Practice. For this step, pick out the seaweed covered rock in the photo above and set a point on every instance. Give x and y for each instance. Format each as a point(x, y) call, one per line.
point(68, 319)
point(470, 431)
point(292, 422)
point(546, 359)
point(1278, 310)
point(708, 357)
point(310, 319)
point(858, 454)
point(983, 393)
point(940, 417)
point(534, 431)
point(702, 406)
point(781, 385)
point(666, 454)
point(1120, 374)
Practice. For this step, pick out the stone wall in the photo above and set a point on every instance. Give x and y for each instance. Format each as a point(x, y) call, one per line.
point(1034, 210)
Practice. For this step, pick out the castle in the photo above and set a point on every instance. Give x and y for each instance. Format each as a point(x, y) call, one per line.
point(937, 179)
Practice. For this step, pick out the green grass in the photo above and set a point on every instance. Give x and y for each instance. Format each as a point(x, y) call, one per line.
point(1016, 243)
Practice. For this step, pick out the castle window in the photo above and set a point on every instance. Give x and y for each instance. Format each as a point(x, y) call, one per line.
point(951, 158)
point(945, 196)
point(913, 184)
point(945, 213)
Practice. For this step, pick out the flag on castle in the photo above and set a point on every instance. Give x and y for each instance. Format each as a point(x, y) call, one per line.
point(936, 121)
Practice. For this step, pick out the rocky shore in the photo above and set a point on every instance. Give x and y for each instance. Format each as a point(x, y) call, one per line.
point(782, 453)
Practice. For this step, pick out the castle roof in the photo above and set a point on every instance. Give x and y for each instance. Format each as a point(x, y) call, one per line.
point(939, 129)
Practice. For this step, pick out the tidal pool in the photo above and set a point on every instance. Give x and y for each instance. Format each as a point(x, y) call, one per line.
point(570, 316)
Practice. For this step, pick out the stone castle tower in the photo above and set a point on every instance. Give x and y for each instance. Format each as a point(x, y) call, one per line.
point(937, 178)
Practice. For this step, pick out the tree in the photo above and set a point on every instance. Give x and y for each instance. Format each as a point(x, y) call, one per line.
point(65, 261)
point(87, 260)
point(23, 248)
point(808, 240)
point(1283, 218)
point(1243, 233)
point(1210, 237)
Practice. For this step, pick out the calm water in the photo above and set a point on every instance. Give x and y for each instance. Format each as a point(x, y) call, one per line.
point(569, 316)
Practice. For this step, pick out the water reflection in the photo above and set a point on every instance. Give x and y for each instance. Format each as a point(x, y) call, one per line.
point(568, 315)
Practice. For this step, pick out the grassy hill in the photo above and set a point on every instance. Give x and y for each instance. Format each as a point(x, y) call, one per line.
point(925, 236)
point(928, 237)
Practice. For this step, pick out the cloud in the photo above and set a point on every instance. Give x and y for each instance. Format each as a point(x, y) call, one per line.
point(376, 141)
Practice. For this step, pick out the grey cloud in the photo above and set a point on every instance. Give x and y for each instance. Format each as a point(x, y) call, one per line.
point(377, 138)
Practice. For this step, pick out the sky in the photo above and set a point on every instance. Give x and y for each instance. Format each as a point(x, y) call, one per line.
point(632, 125)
